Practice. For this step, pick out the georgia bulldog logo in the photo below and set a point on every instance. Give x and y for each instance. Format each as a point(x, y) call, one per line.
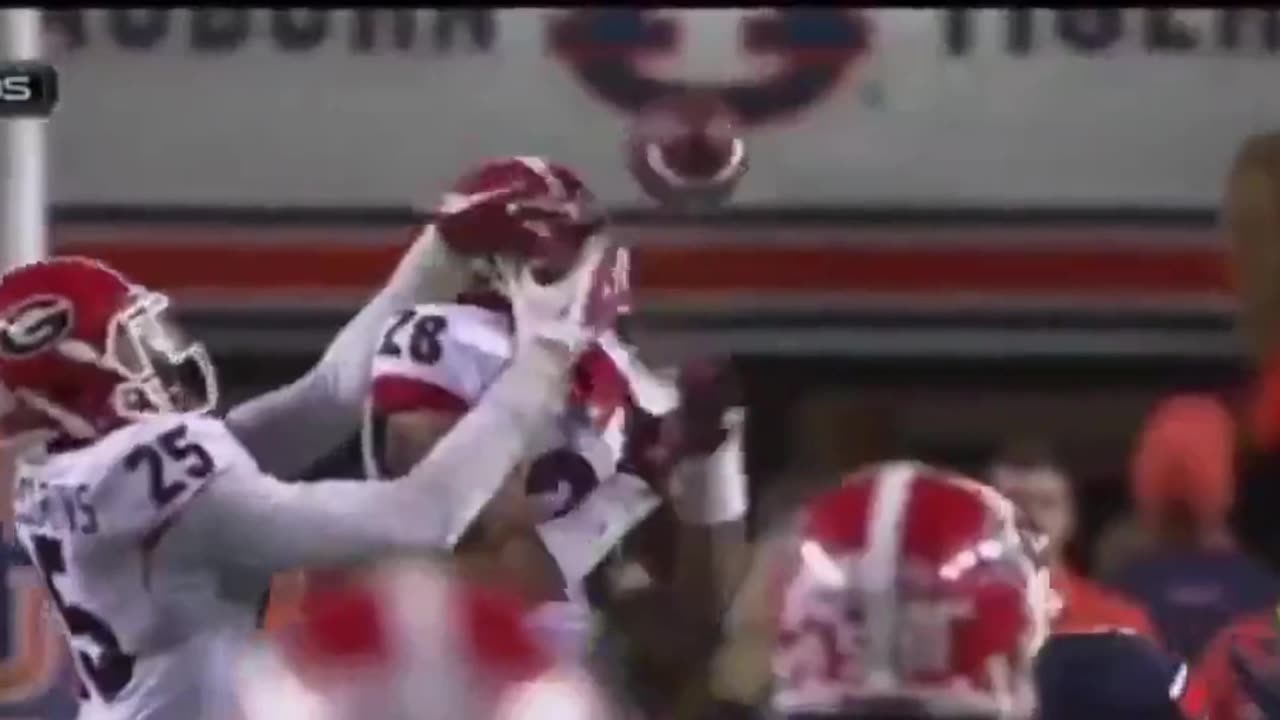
point(35, 325)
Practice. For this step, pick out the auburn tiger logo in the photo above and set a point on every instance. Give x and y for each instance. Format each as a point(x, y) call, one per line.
point(35, 326)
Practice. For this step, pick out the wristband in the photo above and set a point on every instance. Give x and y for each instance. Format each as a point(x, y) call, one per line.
point(581, 538)
point(712, 489)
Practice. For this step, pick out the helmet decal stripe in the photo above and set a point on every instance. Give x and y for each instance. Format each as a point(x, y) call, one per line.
point(879, 569)
point(540, 167)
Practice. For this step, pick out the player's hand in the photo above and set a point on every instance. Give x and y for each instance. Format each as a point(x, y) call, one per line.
point(708, 393)
point(566, 314)
point(708, 484)
point(707, 419)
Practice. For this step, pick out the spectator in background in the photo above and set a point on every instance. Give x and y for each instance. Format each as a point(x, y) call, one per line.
point(1194, 579)
point(1028, 475)
point(1121, 541)
point(1253, 639)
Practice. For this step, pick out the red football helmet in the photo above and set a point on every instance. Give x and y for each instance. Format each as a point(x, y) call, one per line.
point(412, 643)
point(516, 210)
point(523, 207)
point(83, 350)
point(914, 593)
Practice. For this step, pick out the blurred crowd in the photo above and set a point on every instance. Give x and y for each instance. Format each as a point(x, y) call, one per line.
point(1170, 566)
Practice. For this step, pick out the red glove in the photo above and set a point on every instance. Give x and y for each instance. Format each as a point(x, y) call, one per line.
point(708, 389)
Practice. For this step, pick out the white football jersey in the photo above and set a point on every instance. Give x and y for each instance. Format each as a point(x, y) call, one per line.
point(158, 542)
point(443, 356)
point(146, 635)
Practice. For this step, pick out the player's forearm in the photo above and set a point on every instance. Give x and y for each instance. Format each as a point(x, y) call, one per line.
point(257, 522)
point(428, 272)
point(685, 618)
point(740, 669)
point(290, 428)
point(710, 496)
point(683, 621)
point(466, 467)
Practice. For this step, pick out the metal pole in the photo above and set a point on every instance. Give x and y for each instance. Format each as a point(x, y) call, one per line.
point(25, 163)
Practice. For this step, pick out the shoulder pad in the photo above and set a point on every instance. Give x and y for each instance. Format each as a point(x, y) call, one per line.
point(447, 348)
point(152, 468)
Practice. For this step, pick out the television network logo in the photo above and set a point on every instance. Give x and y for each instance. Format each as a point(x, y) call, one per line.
point(27, 89)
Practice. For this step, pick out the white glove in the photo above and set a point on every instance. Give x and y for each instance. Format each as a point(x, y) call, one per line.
point(558, 316)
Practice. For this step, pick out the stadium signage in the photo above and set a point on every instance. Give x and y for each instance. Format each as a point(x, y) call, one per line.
point(296, 30)
point(971, 108)
point(1104, 30)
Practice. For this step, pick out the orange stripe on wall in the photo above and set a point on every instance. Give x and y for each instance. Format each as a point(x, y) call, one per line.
point(280, 261)
point(666, 269)
point(928, 271)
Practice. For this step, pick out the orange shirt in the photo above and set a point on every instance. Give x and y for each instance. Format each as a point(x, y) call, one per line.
point(1087, 605)
point(1254, 635)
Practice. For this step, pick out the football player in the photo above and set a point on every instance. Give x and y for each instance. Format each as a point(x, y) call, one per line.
point(914, 593)
point(368, 651)
point(157, 526)
point(908, 592)
point(593, 474)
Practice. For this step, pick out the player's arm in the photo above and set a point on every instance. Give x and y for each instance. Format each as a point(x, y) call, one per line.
point(538, 564)
point(518, 561)
point(677, 626)
point(740, 669)
point(707, 488)
point(710, 497)
point(290, 428)
point(246, 518)
point(421, 399)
